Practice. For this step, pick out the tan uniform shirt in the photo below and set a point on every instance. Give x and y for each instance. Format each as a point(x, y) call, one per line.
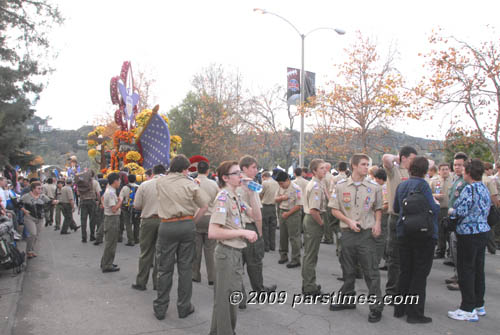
point(66, 194)
point(395, 176)
point(125, 194)
point(294, 194)
point(211, 189)
point(443, 187)
point(302, 183)
point(58, 193)
point(228, 213)
point(179, 196)
point(245, 197)
point(335, 180)
point(146, 198)
point(496, 178)
point(490, 183)
point(110, 200)
point(328, 180)
point(269, 189)
point(96, 189)
point(50, 190)
point(358, 202)
point(315, 196)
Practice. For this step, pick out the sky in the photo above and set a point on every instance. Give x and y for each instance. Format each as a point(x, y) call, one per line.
point(175, 40)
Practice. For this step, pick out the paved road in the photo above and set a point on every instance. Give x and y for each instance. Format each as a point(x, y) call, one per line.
point(64, 292)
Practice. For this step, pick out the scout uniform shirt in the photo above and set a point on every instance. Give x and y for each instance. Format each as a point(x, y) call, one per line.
point(146, 198)
point(456, 189)
point(302, 183)
point(269, 189)
point(66, 194)
point(335, 180)
point(489, 182)
point(442, 186)
point(50, 190)
point(179, 196)
point(395, 176)
point(110, 199)
point(95, 188)
point(211, 189)
point(358, 201)
point(228, 213)
point(315, 196)
point(328, 180)
point(245, 198)
point(294, 194)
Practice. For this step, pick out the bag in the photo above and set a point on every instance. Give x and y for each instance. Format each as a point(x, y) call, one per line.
point(83, 182)
point(11, 257)
point(417, 216)
point(494, 216)
point(131, 196)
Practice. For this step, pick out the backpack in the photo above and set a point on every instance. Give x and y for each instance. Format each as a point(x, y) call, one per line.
point(131, 196)
point(417, 216)
point(11, 257)
point(83, 182)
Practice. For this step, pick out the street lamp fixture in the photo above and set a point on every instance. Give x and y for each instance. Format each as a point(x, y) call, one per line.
point(302, 73)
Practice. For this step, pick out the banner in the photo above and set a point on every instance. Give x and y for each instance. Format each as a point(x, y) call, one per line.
point(293, 86)
point(155, 142)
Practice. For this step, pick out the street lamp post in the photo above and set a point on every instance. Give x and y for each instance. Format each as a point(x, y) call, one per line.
point(302, 75)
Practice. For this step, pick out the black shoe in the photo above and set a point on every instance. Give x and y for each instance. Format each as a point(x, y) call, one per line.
point(92, 238)
point(452, 280)
point(160, 317)
point(136, 242)
point(283, 261)
point(341, 278)
point(421, 319)
point(399, 311)
point(359, 276)
point(191, 311)
point(242, 306)
point(65, 233)
point(449, 263)
point(272, 249)
point(338, 307)
point(438, 256)
point(78, 227)
point(292, 265)
point(129, 244)
point(56, 228)
point(84, 240)
point(138, 287)
point(197, 280)
point(266, 249)
point(453, 287)
point(374, 316)
point(383, 268)
point(326, 242)
point(210, 283)
point(97, 243)
point(115, 266)
point(120, 240)
point(114, 269)
point(271, 288)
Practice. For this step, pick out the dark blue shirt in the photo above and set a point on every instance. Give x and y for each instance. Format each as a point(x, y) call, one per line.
point(403, 190)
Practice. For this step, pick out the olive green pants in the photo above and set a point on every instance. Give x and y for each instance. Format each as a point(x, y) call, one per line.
point(228, 279)
point(269, 226)
point(68, 217)
point(381, 241)
point(175, 245)
point(361, 248)
point(290, 231)
point(312, 240)
point(59, 210)
point(87, 210)
point(252, 257)
point(111, 227)
point(329, 226)
point(147, 242)
point(206, 246)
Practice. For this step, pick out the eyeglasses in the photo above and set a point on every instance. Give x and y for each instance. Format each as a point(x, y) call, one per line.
point(235, 173)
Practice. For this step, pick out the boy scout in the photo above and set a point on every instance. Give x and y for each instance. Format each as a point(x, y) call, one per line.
point(112, 205)
point(396, 168)
point(201, 240)
point(253, 253)
point(357, 203)
point(88, 207)
point(59, 208)
point(269, 189)
point(179, 199)
point(227, 227)
point(440, 187)
point(289, 198)
point(328, 229)
point(315, 201)
point(49, 190)
point(146, 200)
point(68, 207)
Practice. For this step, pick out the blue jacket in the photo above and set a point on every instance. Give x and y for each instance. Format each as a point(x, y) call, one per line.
point(403, 191)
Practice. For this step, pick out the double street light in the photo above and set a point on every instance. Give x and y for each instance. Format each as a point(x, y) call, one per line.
point(302, 74)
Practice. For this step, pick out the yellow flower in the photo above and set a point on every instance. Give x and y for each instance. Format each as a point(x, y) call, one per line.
point(135, 169)
point(133, 156)
point(92, 153)
point(175, 139)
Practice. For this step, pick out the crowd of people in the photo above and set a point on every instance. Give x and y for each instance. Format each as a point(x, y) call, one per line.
point(407, 212)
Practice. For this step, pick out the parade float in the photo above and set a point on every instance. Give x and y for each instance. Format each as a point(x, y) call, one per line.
point(135, 140)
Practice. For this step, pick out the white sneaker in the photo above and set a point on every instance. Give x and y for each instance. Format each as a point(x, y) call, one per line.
point(480, 311)
point(463, 315)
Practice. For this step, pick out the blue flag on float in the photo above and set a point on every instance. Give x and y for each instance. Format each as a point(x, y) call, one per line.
point(155, 142)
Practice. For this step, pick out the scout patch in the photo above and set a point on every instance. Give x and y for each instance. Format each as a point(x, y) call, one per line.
point(367, 203)
point(316, 186)
point(220, 209)
point(404, 178)
point(299, 194)
point(237, 221)
point(369, 190)
point(222, 197)
point(346, 197)
point(243, 207)
point(221, 204)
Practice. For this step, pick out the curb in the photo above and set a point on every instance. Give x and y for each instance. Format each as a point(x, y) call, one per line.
point(17, 295)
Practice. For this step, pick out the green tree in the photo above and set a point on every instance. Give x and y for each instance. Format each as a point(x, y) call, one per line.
point(24, 47)
point(469, 142)
point(183, 117)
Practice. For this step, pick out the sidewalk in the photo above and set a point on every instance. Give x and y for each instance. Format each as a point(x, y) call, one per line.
point(10, 291)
